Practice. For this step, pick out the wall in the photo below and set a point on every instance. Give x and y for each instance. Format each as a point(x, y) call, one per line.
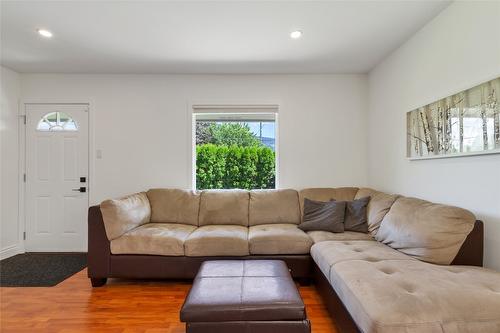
point(9, 133)
point(142, 124)
point(457, 50)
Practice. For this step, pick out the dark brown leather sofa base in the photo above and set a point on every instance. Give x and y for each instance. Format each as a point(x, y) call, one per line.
point(162, 267)
point(244, 295)
point(342, 318)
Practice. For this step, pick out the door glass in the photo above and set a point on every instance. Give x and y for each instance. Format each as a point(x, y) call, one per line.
point(56, 121)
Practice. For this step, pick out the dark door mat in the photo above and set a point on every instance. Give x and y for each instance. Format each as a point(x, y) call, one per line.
point(40, 269)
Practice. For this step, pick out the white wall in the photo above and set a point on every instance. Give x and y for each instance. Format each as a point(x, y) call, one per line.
point(142, 124)
point(457, 50)
point(9, 132)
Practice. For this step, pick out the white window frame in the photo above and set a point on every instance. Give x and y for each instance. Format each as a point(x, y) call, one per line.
point(196, 109)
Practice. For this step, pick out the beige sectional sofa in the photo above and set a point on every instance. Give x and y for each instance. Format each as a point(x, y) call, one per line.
point(402, 276)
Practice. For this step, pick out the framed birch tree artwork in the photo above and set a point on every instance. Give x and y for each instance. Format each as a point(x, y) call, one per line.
point(467, 123)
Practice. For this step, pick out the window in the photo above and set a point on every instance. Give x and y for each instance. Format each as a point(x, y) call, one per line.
point(235, 149)
point(56, 121)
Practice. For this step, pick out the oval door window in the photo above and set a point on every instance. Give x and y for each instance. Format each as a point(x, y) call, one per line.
point(56, 121)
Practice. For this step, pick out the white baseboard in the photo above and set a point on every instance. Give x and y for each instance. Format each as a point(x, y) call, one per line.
point(10, 251)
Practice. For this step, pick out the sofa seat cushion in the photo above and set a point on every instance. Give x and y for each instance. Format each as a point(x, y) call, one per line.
point(329, 253)
point(418, 296)
point(322, 236)
point(278, 239)
point(165, 239)
point(217, 240)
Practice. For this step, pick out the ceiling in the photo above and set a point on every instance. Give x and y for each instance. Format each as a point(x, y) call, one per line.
point(250, 37)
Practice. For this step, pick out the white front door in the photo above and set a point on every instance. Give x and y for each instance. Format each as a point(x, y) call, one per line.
point(56, 177)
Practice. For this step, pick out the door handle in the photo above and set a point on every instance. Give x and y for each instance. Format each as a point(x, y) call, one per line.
point(80, 189)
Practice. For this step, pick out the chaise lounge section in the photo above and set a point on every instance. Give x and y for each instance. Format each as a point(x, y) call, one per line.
point(406, 274)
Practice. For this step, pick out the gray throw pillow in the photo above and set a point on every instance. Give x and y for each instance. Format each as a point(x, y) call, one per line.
point(355, 215)
point(323, 216)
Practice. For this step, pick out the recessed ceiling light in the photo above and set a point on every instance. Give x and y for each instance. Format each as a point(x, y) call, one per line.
point(296, 34)
point(44, 33)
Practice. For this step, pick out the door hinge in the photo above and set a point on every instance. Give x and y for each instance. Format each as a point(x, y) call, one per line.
point(24, 235)
point(24, 119)
point(24, 177)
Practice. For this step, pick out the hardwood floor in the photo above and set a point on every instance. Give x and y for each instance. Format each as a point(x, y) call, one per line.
point(123, 306)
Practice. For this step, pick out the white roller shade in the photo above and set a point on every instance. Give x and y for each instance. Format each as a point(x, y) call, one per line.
point(261, 112)
point(237, 117)
point(259, 108)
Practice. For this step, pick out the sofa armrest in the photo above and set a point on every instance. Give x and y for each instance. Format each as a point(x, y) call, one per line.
point(98, 245)
point(471, 251)
point(125, 213)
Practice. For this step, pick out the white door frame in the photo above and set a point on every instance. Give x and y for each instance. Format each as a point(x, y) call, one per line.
point(22, 157)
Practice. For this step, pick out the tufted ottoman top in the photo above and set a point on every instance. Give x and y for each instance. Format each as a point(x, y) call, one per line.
point(243, 290)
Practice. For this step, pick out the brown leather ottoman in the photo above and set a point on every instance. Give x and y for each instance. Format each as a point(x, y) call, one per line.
point(244, 296)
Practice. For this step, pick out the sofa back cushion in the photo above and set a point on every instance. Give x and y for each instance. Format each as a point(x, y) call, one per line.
point(378, 206)
point(274, 206)
point(427, 231)
point(124, 214)
point(326, 194)
point(174, 206)
point(224, 207)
